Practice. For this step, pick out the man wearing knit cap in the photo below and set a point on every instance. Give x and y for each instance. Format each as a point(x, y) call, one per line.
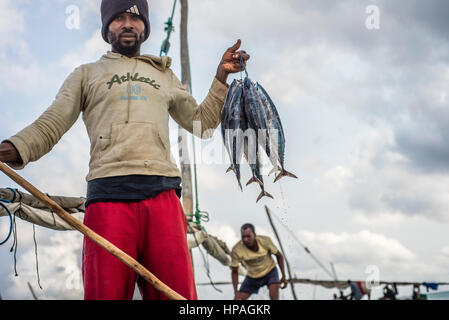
point(134, 184)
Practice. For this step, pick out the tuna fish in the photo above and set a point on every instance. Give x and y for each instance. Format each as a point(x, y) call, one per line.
point(251, 126)
point(233, 127)
point(275, 121)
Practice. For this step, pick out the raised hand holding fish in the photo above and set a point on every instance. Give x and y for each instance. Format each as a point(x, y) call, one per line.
point(231, 62)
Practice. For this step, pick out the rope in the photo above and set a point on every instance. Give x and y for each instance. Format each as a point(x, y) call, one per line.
point(14, 247)
point(9, 214)
point(169, 29)
point(200, 216)
point(10, 221)
point(206, 264)
point(37, 261)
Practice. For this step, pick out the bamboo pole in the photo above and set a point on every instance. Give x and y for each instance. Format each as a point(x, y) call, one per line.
point(78, 225)
point(282, 249)
point(186, 169)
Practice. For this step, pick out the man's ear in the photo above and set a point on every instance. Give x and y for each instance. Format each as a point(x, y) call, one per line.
point(109, 36)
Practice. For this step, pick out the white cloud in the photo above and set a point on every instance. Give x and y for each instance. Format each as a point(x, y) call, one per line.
point(363, 247)
point(377, 181)
point(12, 24)
point(89, 51)
point(63, 171)
point(445, 251)
point(353, 253)
point(23, 75)
point(59, 269)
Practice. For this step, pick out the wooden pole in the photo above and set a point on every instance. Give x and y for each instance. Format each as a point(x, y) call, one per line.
point(78, 225)
point(186, 168)
point(283, 251)
point(32, 291)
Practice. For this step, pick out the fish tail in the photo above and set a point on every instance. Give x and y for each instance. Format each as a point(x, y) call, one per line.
point(255, 179)
point(264, 194)
point(237, 175)
point(285, 173)
point(240, 185)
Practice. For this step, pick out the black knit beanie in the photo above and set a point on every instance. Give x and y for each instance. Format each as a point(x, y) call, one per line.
point(111, 8)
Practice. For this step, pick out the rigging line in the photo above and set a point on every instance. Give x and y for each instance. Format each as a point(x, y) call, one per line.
point(14, 235)
point(52, 213)
point(2, 201)
point(10, 220)
point(37, 261)
point(164, 49)
point(166, 43)
point(195, 172)
point(15, 245)
point(206, 264)
point(305, 247)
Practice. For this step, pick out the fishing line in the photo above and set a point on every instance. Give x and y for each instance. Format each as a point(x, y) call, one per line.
point(243, 68)
point(305, 247)
point(284, 205)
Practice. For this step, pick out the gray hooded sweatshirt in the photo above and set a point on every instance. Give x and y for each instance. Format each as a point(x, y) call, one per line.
point(125, 105)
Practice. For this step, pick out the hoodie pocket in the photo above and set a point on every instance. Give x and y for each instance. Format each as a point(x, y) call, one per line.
point(134, 141)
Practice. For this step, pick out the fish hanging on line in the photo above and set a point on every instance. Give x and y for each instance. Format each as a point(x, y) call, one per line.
point(251, 126)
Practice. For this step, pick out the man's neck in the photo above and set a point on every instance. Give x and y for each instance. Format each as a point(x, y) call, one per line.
point(129, 55)
point(254, 247)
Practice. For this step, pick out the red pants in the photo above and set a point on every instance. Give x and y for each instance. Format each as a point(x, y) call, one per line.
point(154, 233)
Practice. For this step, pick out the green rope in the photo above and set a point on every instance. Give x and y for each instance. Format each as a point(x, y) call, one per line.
point(169, 29)
point(200, 216)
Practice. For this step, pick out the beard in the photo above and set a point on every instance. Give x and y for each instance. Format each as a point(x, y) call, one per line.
point(127, 49)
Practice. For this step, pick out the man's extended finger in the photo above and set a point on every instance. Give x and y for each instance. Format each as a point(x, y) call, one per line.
point(236, 46)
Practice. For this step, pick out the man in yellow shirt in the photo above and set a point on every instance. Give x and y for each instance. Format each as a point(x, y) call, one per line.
point(254, 252)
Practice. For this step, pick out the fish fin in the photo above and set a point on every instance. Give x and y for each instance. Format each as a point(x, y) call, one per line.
point(264, 194)
point(285, 173)
point(254, 179)
point(231, 168)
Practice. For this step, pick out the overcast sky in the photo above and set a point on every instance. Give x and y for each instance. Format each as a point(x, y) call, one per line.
point(363, 107)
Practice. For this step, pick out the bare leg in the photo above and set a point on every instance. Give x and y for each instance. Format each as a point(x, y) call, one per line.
point(242, 296)
point(274, 291)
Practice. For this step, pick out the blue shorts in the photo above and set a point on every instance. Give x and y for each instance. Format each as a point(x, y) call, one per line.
point(252, 285)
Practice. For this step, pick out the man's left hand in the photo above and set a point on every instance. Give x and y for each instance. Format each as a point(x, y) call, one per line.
point(284, 283)
point(233, 61)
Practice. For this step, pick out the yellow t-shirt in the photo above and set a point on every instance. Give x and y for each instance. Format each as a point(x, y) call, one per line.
point(259, 263)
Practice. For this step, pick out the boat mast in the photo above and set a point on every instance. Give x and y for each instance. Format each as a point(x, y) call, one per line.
point(186, 169)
